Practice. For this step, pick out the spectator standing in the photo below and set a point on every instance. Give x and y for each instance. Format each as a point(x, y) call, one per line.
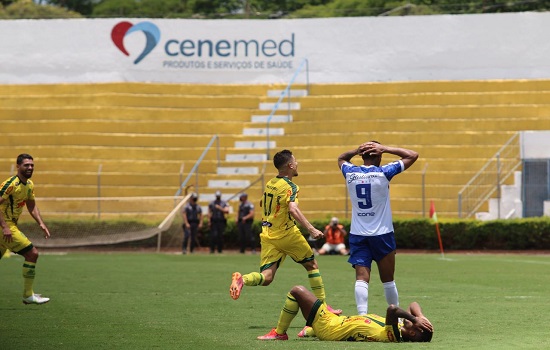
point(217, 222)
point(192, 223)
point(245, 218)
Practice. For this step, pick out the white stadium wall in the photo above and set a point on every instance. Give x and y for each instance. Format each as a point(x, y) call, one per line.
point(365, 49)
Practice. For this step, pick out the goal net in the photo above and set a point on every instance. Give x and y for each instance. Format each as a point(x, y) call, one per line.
point(77, 222)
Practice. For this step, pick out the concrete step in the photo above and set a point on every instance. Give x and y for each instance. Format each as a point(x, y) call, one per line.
point(237, 170)
point(292, 93)
point(228, 183)
point(246, 157)
point(263, 131)
point(274, 119)
point(255, 144)
point(268, 106)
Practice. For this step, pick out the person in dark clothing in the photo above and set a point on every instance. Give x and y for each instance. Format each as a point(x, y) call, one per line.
point(217, 221)
point(244, 223)
point(192, 223)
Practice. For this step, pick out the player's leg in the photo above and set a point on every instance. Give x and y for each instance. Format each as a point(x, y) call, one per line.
point(385, 258)
point(298, 298)
point(361, 259)
point(24, 247)
point(268, 268)
point(297, 247)
point(3, 251)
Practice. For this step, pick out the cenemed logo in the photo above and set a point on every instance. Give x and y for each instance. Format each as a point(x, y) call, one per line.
point(122, 29)
point(224, 53)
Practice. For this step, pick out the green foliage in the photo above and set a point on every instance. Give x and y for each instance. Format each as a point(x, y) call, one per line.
point(27, 9)
point(519, 234)
point(144, 8)
point(282, 8)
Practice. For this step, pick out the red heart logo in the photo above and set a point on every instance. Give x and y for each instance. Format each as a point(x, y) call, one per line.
point(117, 35)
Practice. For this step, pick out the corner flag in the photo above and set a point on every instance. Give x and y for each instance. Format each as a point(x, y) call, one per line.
point(433, 216)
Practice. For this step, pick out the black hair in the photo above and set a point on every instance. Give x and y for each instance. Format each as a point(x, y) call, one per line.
point(367, 156)
point(423, 336)
point(23, 156)
point(282, 158)
point(426, 336)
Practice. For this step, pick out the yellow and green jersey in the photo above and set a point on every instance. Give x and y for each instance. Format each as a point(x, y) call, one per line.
point(370, 328)
point(15, 194)
point(276, 219)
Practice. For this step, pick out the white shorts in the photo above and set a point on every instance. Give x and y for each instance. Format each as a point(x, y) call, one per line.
point(333, 247)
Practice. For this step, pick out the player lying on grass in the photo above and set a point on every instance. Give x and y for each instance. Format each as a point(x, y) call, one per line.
point(327, 326)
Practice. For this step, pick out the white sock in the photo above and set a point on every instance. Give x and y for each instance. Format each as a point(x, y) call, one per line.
point(390, 291)
point(362, 297)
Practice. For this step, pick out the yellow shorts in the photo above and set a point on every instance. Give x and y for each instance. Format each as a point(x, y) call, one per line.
point(19, 244)
point(274, 251)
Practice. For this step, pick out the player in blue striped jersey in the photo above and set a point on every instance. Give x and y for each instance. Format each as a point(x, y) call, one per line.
point(371, 233)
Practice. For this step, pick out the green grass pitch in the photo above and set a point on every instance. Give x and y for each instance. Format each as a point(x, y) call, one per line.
point(169, 301)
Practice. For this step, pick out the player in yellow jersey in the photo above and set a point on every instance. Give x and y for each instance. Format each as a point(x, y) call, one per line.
point(16, 192)
point(328, 326)
point(280, 236)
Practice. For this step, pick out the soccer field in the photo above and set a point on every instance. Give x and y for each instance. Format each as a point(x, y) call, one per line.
point(168, 301)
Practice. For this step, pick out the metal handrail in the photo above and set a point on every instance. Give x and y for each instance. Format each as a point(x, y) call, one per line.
point(260, 178)
point(284, 93)
point(195, 167)
point(499, 179)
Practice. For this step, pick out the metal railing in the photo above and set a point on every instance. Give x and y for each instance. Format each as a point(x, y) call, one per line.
point(196, 166)
point(285, 93)
point(244, 189)
point(489, 178)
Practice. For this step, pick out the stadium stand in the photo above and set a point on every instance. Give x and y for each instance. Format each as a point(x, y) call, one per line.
point(134, 139)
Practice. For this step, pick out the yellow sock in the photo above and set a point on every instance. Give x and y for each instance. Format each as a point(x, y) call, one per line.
point(316, 283)
point(253, 279)
point(289, 311)
point(5, 254)
point(28, 278)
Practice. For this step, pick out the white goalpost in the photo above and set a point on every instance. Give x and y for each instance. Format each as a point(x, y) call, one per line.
point(121, 220)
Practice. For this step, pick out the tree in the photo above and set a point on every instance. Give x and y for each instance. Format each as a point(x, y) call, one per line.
point(84, 7)
point(27, 9)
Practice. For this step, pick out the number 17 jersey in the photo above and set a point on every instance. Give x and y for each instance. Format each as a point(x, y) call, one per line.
point(276, 219)
point(369, 192)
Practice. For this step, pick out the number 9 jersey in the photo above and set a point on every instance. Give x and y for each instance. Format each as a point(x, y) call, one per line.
point(369, 192)
point(276, 219)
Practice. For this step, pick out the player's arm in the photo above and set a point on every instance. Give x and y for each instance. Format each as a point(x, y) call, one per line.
point(408, 157)
point(394, 313)
point(415, 309)
point(346, 156)
point(5, 228)
point(298, 216)
point(35, 213)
